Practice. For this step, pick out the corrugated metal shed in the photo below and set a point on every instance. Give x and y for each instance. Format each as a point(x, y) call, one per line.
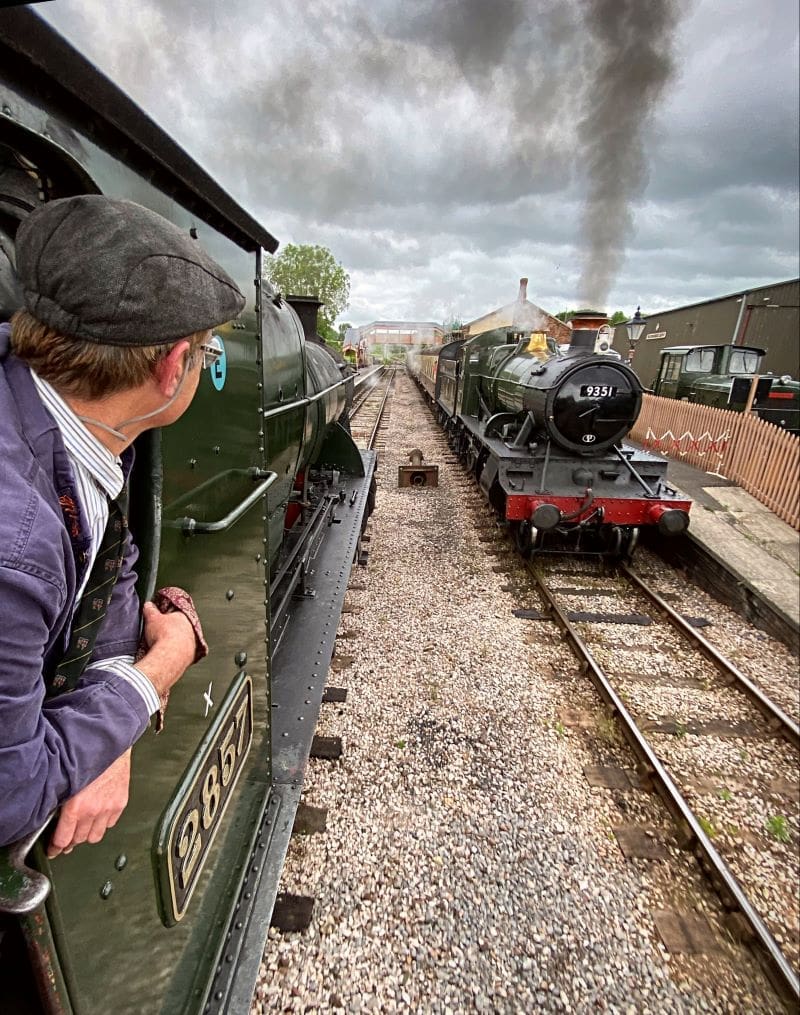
point(766, 316)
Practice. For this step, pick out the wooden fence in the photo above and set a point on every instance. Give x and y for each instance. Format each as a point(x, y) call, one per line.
point(758, 456)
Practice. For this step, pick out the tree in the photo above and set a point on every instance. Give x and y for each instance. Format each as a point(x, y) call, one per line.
point(306, 270)
point(331, 335)
point(620, 317)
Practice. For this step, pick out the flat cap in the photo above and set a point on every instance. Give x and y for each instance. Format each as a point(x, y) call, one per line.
point(116, 273)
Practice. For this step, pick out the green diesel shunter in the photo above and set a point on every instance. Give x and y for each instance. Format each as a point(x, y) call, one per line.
point(722, 376)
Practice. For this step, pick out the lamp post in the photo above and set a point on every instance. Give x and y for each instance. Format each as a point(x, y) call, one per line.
point(635, 328)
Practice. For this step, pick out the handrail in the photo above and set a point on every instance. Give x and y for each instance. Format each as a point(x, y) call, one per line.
point(301, 403)
point(191, 527)
point(22, 889)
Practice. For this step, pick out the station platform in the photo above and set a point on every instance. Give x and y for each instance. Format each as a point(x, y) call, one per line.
point(756, 547)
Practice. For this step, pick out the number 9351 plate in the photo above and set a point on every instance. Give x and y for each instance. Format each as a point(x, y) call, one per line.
point(194, 814)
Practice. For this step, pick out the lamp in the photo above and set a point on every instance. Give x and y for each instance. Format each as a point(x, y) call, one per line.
point(635, 328)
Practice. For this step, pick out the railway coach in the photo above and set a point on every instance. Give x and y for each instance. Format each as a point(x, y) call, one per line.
point(254, 502)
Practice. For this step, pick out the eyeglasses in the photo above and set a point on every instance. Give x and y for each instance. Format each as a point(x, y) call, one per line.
point(211, 350)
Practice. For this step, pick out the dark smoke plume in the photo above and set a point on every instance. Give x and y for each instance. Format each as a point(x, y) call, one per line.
point(450, 121)
point(629, 45)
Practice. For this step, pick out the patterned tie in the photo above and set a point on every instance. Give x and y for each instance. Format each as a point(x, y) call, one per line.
point(92, 608)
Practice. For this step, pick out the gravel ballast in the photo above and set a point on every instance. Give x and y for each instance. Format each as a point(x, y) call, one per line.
point(467, 863)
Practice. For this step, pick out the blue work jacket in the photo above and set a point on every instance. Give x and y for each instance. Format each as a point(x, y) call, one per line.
point(51, 747)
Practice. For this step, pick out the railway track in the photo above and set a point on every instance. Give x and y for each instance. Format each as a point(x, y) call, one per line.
point(370, 405)
point(627, 693)
point(589, 603)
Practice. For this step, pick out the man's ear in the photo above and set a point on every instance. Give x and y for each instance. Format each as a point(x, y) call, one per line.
point(170, 368)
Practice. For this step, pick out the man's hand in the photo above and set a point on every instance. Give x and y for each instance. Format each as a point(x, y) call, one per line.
point(86, 816)
point(171, 647)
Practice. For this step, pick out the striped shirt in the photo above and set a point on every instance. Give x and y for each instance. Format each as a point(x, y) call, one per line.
point(98, 476)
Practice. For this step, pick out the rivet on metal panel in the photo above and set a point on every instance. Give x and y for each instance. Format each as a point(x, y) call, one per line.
point(7, 110)
point(193, 233)
point(240, 658)
point(230, 594)
point(308, 701)
point(120, 862)
point(284, 734)
point(192, 463)
point(106, 890)
point(216, 449)
point(258, 558)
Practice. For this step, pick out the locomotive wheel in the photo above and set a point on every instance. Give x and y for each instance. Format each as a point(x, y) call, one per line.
point(613, 543)
point(527, 539)
point(630, 539)
point(480, 461)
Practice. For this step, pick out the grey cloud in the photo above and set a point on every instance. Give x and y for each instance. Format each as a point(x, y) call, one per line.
point(452, 144)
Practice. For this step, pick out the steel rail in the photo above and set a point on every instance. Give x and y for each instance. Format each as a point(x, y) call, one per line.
point(779, 721)
point(776, 966)
point(368, 389)
point(368, 375)
point(381, 410)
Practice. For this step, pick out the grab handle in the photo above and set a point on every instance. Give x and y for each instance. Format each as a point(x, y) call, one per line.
point(22, 890)
point(191, 527)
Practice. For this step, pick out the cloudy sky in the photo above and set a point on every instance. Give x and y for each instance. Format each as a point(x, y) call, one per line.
point(614, 151)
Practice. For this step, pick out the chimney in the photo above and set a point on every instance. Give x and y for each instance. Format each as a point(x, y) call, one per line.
point(523, 290)
point(306, 308)
point(585, 325)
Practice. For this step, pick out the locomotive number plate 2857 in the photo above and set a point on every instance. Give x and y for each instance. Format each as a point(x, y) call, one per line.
point(194, 814)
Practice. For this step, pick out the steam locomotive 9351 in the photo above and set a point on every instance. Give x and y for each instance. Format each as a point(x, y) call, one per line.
point(541, 429)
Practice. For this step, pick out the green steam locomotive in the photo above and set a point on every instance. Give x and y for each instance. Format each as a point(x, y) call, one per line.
point(255, 503)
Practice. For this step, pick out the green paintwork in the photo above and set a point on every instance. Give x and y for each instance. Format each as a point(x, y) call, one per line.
point(115, 944)
point(339, 451)
point(706, 375)
point(475, 353)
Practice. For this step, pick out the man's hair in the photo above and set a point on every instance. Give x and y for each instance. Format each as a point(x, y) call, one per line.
point(75, 366)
